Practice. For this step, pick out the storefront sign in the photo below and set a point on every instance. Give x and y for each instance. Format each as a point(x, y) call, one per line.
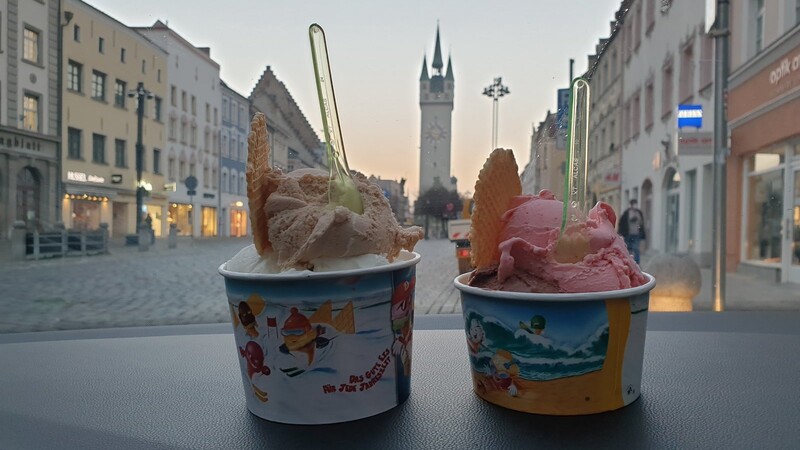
point(21, 142)
point(699, 143)
point(171, 187)
point(690, 116)
point(207, 195)
point(83, 177)
point(116, 178)
point(784, 68)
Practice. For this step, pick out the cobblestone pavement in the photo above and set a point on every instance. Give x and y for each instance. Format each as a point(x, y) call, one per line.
point(181, 286)
point(162, 286)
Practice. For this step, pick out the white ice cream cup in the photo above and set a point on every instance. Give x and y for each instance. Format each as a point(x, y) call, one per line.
point(556, 354)
point(324, 347)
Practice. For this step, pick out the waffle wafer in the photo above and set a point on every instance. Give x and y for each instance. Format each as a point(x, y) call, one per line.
point(498, 182)
point(259, 182)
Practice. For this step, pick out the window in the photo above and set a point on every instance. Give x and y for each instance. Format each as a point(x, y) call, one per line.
point(649, 99)
point(183, 100)
point(76, 33)
point(193, 136)
point(30, 112)
point(208, 112)
point(157, 108)
point(637, 26)
point(183, 132)
point(206, 139)
point(31, 45)
point(156, 161)
point(666, 89)
point(232, 149)
point(73, 143)
point(122, 55)
point(101, 45)
point(119, 153)
point(214, 178)
point(158, 76)
point(74, 76)
point(686, 81)
point(182, 170)
point(119, 94)
point(637, 112)
point(224, 187)
point(171, 168)
point(193, 169)
point(797, 12)
point(650, 16)
point(233, 188)
point(626, 121)
point(225, 145)
point(224, 108)
point(216, 117)
point(173, 96)
point(240, 119)
point(612, 135)
point(173, 125)
point(706, 61)
point(98, 148)
point(144, 66)
point(98, 85)
point(194, 106)
point(759, 28)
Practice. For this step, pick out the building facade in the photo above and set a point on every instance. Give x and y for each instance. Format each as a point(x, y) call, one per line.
point(395, 192)
point(193, 124)
point(547, 164)
point(29, 105)
point(668, 61)
point(293, 142)
point(103, 61)
point(763, 176)
point(436, 93)
point(605, 117)
point(235, 112)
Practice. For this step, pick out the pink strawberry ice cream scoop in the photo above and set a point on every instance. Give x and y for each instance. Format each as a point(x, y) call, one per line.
point(589, 257)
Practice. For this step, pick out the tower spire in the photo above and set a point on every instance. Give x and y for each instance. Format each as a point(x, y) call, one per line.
point(437, 55)
point(424, 76)
point(449, 75)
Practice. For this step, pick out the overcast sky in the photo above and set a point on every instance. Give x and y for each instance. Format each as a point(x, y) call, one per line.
point(376, 50)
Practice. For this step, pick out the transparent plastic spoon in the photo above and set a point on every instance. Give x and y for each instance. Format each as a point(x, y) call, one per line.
point(342, 189)
point(577, 153)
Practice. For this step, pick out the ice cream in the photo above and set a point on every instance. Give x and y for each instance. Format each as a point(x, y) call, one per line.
point(528, 253)
point(296, 228)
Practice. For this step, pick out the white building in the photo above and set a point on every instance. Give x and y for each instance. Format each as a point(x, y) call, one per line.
point(29, 182)
point(234, 216)
point(668, 61)
point(193, 120)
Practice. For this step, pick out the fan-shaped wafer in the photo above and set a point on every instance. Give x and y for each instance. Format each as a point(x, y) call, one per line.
point(498, 182)
point(259, 183)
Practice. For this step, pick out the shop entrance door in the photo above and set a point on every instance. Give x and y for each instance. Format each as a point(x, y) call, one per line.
point(790, 270)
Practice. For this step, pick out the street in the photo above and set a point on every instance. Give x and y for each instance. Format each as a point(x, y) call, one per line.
point(181, 286)
point(163, 286)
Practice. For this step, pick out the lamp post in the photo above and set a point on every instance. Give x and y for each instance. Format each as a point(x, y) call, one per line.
point(495, 91)
point(140, 93)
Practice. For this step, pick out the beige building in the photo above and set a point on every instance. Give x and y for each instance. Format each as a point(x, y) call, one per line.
point(605, 118)
point(547, 163)
point(103, 61)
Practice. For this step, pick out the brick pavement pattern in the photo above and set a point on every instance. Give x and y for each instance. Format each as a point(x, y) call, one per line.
point(181, 286)
point(162, 286)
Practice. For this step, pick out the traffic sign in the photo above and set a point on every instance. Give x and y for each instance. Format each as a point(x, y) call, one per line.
point(562, 119)
point(190, 182)
point(191, 192)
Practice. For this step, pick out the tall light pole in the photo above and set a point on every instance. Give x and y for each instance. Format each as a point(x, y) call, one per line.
point(495, 91)
point(721, 35)
point(140, 93)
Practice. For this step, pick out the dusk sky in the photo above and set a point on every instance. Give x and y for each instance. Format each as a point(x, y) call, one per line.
point(376, 50)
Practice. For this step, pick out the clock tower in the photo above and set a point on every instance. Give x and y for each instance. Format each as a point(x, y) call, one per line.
point(436, 105)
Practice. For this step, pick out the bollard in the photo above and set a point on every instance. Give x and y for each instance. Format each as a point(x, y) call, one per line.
point(172, 238)
point(144, 238)
point(18, 237)
point(104, 243)
point(678, 281)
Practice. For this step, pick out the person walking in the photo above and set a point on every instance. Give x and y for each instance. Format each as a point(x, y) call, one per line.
point(149, 222)
point(631, 227)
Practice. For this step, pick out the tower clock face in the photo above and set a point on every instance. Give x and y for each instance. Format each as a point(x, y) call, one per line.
point(435, 133)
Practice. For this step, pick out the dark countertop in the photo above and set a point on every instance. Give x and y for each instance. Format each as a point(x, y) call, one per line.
point(711, 380)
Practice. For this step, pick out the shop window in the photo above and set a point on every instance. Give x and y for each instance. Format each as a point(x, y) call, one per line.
point(28, 195)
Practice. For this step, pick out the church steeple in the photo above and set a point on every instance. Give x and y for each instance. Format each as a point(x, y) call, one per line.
point(424, 76)
point(449, 75)
point(437, 55)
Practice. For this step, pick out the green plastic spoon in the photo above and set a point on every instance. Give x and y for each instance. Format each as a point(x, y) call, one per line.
point(577, 153)
point(342, 188)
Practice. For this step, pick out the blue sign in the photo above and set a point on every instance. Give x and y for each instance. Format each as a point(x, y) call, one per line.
point(690, 116)
point(562, 118)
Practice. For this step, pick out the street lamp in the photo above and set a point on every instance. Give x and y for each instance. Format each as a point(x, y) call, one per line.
point(140, 93)
point(495, 91)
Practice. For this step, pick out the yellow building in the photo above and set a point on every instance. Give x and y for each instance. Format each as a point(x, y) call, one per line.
point(104, 60)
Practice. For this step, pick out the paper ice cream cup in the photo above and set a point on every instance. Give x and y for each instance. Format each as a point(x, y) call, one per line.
point(556, 354)
point(324, 347)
